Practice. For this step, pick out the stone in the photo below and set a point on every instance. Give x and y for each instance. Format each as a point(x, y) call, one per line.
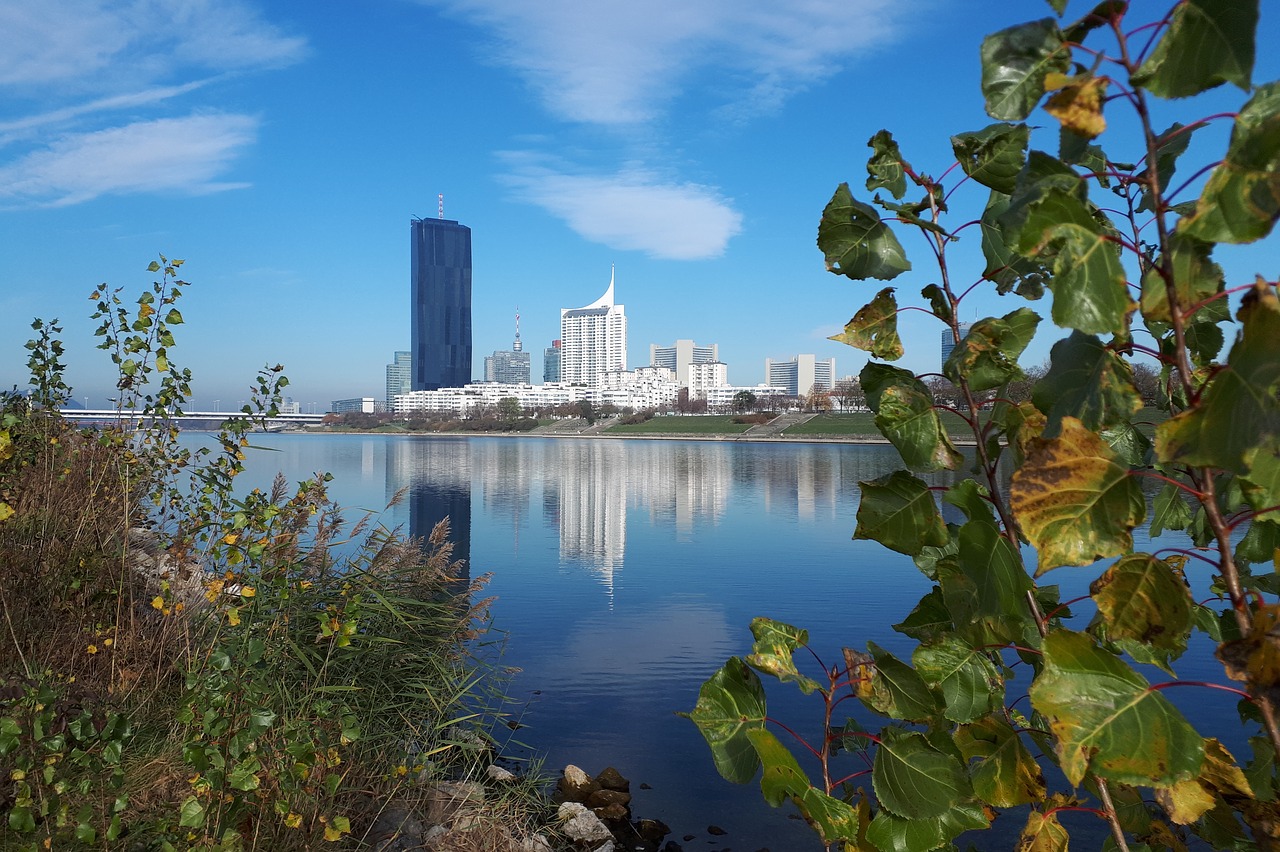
point(582, 826)
point(612, 779)
point(716, 830)
point(652, 829)
point(536, 843)
point(576, 785)
point(604, 798)
point(447, 801)
point(613, 813)
point(499, 775)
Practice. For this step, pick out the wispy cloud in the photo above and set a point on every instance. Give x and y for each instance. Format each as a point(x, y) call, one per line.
point(619, 62)
point(163, 155)
point(69, 67)
point(89, 45)
point(633, 209)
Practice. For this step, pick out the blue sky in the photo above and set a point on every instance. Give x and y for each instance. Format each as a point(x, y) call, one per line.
point(281, 149)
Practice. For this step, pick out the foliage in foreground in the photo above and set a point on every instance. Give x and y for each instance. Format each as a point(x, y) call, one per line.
point(1123, 253)
point(186, 666)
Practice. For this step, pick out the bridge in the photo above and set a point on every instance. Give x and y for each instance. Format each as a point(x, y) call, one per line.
point(189, 419)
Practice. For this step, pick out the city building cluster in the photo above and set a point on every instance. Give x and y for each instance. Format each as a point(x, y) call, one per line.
point(587, 363)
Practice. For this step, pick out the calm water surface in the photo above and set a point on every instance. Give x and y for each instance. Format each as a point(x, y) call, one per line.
point(626, 572)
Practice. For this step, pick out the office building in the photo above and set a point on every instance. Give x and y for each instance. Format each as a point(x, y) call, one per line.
point(355, 405)
point(593, 340)
point(679, 356)
point(399, 375)
point(441, 303)
point(949, 342)
point(551, 362)
point(800, 375)
point(511, 366)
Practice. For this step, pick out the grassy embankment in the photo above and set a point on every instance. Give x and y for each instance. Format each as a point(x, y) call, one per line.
point(713, 424)
point(186, 666)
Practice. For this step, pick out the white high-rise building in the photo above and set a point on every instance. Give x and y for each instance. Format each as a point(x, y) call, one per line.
point(801, 375)
point(593, 340)
point(680, 356)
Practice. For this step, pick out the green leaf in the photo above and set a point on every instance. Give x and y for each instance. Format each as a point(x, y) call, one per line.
point(970, 684)
point(995, 569)
point(897, 690)
point(1170, 145)
point(929, 619)
point(906, 416)
point(988, 354)
point(972, 498)
point(192, 814)
point(731, 703)
point(1015, 62)
point(1238, 410)
point(1087, 380)
point(773, 649)
point(914, 780)
point(994, 155)
point(783, 779)
point(1108, 720)
point(1143, 599)
point(899, 511)
point(1169, 511)
point(886, 167)
point(1073, 499)
point(1195, 278)
point(1004, 772)
point(1009, 270)
point(938, 302)
point(874, 328)
point(1261, 484)
point(1130, 445)
point(856, 243)
point(890, 833)
point(1089, 282)
point(1208, 43)
point(1241, 200)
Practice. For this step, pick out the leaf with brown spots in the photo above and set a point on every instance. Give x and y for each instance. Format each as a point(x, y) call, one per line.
point(1074, 499)
point(1144, 599)
point(874, 328)
point(1108, 720)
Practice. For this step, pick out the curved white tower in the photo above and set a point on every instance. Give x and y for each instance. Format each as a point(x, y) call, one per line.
point(593, 340)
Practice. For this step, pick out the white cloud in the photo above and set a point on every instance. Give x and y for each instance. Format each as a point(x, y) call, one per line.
point(79, 60)
point(621, 62)
point(633, 209)
point(163, 155)
point(91, 45)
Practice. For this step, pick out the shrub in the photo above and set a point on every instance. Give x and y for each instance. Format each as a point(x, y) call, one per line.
point(1121, 251)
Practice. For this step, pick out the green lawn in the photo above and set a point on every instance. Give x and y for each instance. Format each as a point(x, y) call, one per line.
point(713, 424)
point(863, 423)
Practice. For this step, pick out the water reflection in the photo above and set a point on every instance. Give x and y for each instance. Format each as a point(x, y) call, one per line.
point(584, 489)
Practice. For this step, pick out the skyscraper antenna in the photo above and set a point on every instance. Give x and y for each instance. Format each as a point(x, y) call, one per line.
point(516, 346)
point(440, 202)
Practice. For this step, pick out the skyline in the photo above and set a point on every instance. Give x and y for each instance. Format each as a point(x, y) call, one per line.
point(280, 150)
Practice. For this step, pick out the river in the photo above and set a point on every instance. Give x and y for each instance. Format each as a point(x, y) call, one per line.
point(627, 571)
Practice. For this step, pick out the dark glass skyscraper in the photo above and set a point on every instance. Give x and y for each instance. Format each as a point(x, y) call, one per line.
point(441, 327)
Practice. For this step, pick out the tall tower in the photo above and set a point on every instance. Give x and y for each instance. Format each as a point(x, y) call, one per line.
point(441, 303)
point(593, 340)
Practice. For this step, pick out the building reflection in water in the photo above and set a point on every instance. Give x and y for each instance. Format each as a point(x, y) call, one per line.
point(438, 478)
point(584, 488)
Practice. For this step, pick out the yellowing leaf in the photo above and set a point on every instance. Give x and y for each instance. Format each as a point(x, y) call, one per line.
point(233, 616)
point(157, 602)
point(1074, 499)
point(6, 512)
point(332, 834)
point(1079, 107)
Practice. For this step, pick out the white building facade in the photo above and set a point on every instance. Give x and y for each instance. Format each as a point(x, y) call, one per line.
point(681, 356)
point(593, 340)
point(706, 375)
point(801, 375)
